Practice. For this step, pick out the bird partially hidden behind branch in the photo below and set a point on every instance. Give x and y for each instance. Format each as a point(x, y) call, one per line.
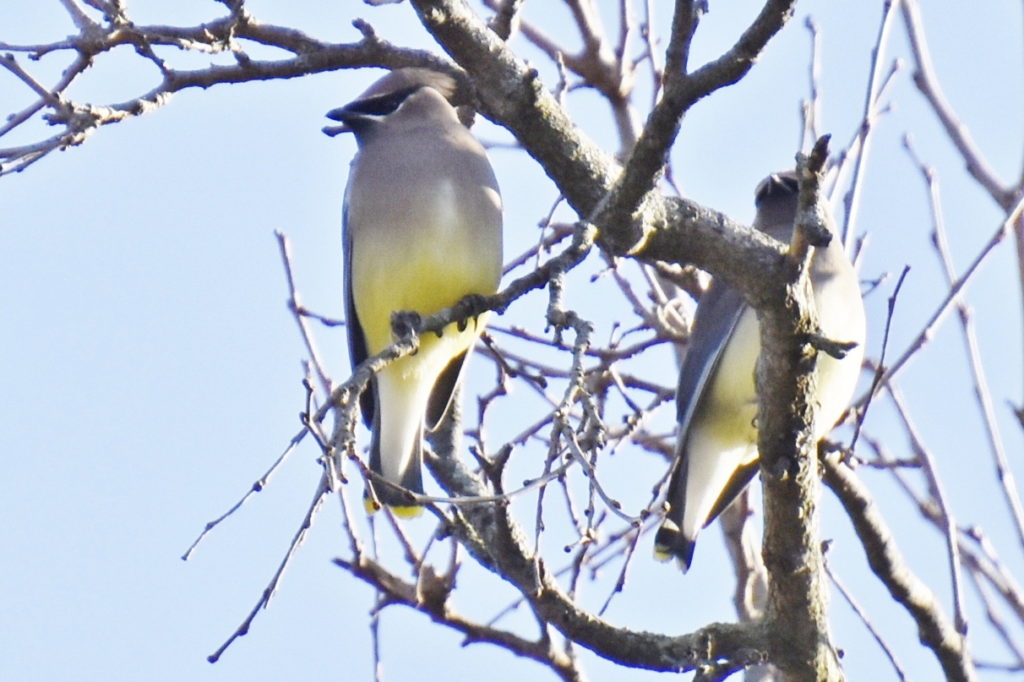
point(716, 446)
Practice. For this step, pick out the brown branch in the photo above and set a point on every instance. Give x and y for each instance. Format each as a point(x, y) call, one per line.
point(885, 559)
point(258, 486)
point(430, 597)
point(296, 308)
point(862, 614)
point(79, 120)
point(943, 512)
point(497, 541)
point(786, 386)
point(597, 64)
point(681, 91)
point(928, 84)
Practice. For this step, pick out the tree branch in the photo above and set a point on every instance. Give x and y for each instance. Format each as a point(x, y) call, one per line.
point(934, 628)
point(786, 386)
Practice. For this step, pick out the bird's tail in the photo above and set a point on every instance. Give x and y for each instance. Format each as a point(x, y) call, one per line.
point(671, 541)
point(396, 451)
point(411, 479)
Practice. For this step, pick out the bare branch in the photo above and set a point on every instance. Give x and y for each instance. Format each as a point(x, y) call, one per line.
point(871, 106)
point(954, 291)
point(268, 592)
point(927, 82)
point(862, 614)
point(80, 120)
point(431, 598)
point(887, 562)
point(786, 385)
point(256, 487)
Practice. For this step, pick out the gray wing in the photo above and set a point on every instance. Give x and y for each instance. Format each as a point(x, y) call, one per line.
point(718, 312)
point(356, 341)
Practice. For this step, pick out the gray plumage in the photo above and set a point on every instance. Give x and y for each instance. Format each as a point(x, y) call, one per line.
point(716, 446)
point(421, 230)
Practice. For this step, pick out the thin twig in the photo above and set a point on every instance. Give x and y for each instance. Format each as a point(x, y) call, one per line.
point(928, 84)
point(949, 300)
point(296, 308)
point(862, 614)
point(871, 104)
point(256, 487)
point(268, 592)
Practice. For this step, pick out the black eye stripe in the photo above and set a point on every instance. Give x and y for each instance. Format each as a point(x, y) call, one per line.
point(790, 183)
point(777, 186)
point(381, 105)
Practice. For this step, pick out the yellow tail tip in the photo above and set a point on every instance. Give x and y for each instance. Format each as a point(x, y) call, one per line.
point(402, 511)
point(406, 511)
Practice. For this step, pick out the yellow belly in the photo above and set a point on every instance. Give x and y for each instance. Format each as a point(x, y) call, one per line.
point(425, 277)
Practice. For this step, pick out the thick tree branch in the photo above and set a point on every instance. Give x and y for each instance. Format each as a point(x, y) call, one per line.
point(430, 597)
point(623, 212)
point(498, 542)
point(681, 91)
point(786, 386)
point(934, 628)
point(676, 230)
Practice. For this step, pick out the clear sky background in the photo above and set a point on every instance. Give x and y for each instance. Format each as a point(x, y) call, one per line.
point(151, 369)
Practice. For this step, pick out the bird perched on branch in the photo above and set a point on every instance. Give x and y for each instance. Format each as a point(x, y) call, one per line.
point(716, 446)
point(422, 230)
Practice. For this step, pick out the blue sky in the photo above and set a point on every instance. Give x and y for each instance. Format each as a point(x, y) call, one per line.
point(153, 370)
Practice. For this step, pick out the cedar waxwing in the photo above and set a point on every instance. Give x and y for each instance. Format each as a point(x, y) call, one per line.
point(421, 230)
point(716, 446)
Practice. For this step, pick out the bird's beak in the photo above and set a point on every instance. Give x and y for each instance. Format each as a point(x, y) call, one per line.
point(339, 114)
point(333, 131)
